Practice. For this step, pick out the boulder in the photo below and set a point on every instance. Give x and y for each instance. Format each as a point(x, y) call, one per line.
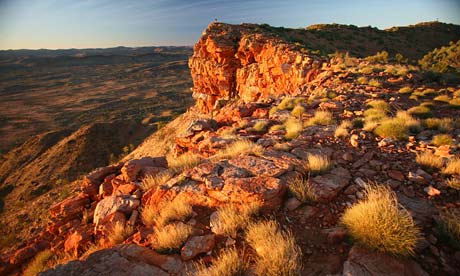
point(196, 245)
point(327, 186)
point(121, 260)
point(131, 169)
point(363, 262)
point(114, 203)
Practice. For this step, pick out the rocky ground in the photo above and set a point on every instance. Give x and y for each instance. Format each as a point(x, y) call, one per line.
point(254, 87)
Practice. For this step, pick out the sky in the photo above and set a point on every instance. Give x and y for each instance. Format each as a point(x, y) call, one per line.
point(59, 24)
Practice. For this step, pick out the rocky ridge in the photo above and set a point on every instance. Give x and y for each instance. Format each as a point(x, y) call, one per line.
point(240, 80)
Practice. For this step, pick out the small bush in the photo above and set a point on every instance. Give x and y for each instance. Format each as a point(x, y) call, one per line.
point(302, 189)
point(342, 130)
point(171, 237)
point(150, 182)
point(453, 183)
point(293, 128)
point(260, 126)
point(450, 224)
point(288, 103)
point(412, 124)
point(442, 98)
point(119, 232)
point(453, 167)
point(455, 103)
point(298, 111)
point(442, 139)
point(240, 147)
point(392, 127)
point(443, 124)
point(366, 70)
point(362, 80)
point(420, 111)
point(318, 164)
point(429, 161)
point(233, 218)
point(379, 222)
point(374, 115)
point(379, 57)
point(183, 162)
point(380, 105)
point(321, 118)
point(375, 83)
point(176, 210)
point(405, 90)
point(228, 263)
point(277, 252)
point(39, 264)
point(276, 128)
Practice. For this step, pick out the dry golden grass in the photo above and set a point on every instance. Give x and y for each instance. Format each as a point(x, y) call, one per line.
point(260, 126)
point(240, 147)
point(298, 111)
point(276, 128)
point(405, 90)
point(454, 103)
point(392, 127)
point(375, 83)
point(379, 105)
point(119, 232)
point(442, 98)
point(178, 209)
point(40, 263)
point(321, 118)
point(171, 237)
point(453, 167)
point(453, 183)
point(374, 115)
point(379, 222)
point(342, 129)
point(293, 128)
point(441, 124)
point(150, 181)
point(277, 252)
point(362, 80)
point(183, 162)
point(318, 164)
point(421, 111)
point(442, 139)
point(412, 124)
point(450, 223)
point(429, 161)
point(149, 214)
point(233, 217)
point(228, 263)
point(302, 189)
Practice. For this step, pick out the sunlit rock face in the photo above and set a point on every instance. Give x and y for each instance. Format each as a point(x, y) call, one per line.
point(241, 61)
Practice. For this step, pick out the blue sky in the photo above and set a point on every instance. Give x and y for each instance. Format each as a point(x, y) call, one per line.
point(33, 24)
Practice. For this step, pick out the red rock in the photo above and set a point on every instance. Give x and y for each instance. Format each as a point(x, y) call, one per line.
point(362, 261)
point(396, 175)
point(260, 166)
point(78, 240)
point(131, 169)
point(91, 182)
point(27, 252)
point(432, 191)
point(114, 203)
point(292, 204)
point(196, 245)
point(336, 235)
point(126, 189)
point(69, 208)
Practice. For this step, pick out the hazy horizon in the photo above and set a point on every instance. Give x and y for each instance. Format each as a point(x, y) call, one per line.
point(65, 24)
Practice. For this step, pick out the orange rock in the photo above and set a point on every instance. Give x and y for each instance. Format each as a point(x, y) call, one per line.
point(78, 240)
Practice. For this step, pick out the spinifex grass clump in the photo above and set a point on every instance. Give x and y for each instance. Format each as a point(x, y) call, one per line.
point(276, 250)
point(232, 218)
point(379, 222)
point(293, 128)
point(228, 263)
point(239, 147)
point(450, 225)
point(171, 237)
point(183, 162)
point(429, 161)
point(453, 166)
point(442, 139)
point(302, 189)
point(321, 117)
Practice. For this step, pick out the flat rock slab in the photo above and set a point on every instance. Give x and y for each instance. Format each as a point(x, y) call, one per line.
point(196, 245)
point(327, 186)
point(121, 260)
point(258, 166)
point(114, 203)
point(421, 209)
point(269, 190)
point(363, 262)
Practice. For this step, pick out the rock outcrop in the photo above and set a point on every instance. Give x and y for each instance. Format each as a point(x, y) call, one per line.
point(239, 61)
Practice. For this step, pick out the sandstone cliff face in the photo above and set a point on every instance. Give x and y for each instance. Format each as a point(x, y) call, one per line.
point(236, 61)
